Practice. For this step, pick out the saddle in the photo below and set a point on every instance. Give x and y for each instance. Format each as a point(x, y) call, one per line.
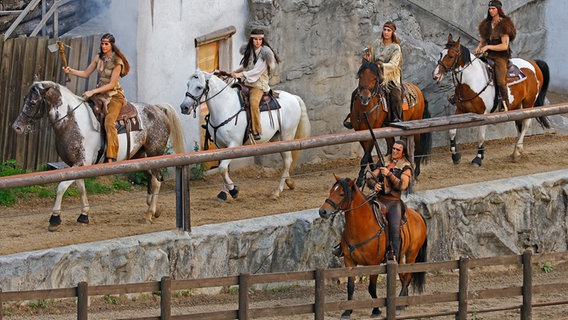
point(126, 122)
point(268, 102)
point(410, 96)
point(514, 73)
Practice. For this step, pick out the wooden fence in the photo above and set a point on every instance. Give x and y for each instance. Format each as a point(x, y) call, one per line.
point(22, 61)
point(318, 305)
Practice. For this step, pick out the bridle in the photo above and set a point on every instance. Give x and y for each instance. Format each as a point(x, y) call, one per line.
point(41, 110)
point(458, 80)
point(204, 93)
point(347, 198)
point(375, 90)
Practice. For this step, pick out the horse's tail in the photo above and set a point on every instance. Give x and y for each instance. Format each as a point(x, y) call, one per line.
point(304, 128)
point(176, 130)
point(418, 280)
point(425, 138)
point(543, 66)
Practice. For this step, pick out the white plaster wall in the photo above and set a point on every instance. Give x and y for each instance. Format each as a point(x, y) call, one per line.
point(161, 49)
point(556, 44)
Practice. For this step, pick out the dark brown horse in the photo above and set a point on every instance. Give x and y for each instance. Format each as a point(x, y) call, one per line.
point(364, 240)
point(475, 91)
point(369, 102)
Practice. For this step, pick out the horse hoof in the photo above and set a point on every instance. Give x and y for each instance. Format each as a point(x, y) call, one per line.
point(53, 227)
point(158, 213)
point(222, 196)
point(290, 183)
point(376, 313)
point(54, 223)
point(83, 219)
point(456, 157)
point(234, 193)
point(476, 162)
point(275, 195)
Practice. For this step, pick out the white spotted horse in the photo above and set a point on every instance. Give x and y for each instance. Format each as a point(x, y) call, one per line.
point(79, 141)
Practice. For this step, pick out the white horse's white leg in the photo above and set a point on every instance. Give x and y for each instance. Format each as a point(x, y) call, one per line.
point(518, 152)
point(228, 185)
point(152, 199)
point(55, 219)
point(285, 176)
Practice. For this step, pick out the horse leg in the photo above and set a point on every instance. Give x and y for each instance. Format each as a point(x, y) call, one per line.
point(55, 219)
point(228, 187)
point(404, 283)
point(522, 128)
point(373, 292)
point(285, 176)
point(478, 160)
point(456, 156)
point(152, 196)
point(350, 290)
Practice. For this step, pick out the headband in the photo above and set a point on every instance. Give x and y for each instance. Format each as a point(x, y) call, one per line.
point(390, 25)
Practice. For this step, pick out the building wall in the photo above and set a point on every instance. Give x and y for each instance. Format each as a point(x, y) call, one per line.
point(556, 45)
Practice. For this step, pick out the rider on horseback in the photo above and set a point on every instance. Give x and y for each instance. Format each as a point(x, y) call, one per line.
point(388, 55)
point(497, 31)
point(389, 182)
point(258, 60)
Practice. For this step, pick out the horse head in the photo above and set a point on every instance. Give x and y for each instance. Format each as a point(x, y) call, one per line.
point(370, 77)
point(453, 56)
point(340, 197)
point(197, 89)
point(41, 97)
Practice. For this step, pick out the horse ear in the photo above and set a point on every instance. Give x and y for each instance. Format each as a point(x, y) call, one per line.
point(450, 38)
point(336, 177)
point(207, 75)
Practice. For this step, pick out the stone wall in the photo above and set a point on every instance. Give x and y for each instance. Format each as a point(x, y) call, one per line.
point(322, 50)
point(478, 220)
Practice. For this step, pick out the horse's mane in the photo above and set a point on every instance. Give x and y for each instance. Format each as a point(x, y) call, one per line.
point(465, 54)
point(370, 65)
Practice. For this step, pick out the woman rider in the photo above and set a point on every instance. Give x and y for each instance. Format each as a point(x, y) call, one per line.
point(110, 63)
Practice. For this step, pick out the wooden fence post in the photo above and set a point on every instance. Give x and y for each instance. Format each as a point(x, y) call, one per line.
point(82, 300)
point(392, 270)
point(1, 310)
point(319, 308)
point(462, 293)
point(243, 296)
point(182, 198)
point(526, 309)
point(166, 298)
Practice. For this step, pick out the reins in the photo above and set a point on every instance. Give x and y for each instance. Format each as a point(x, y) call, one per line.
point(458, 82)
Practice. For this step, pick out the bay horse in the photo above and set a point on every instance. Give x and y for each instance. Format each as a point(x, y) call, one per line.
point(79, 141)
point(228, 124)
point(475, 92)
point(364, 240)
point(369, 101)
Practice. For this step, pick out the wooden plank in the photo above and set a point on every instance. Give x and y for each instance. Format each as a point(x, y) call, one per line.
point(495, 293)
point(225, 314)
point(431, 122)
point(15, 80)
point(549, 288)
point(205, 283)
point(28, 68)
point(282, 276)
point(153, 286)
point(5, 57)
point(428, 299)
point(39, 294)
point(495, 261)
point(355, 271)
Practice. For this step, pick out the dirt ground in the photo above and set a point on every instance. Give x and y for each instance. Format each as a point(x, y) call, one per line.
point(23, 227)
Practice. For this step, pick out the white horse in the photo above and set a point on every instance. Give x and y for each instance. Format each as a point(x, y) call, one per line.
point(228, 123)
point(78, 140)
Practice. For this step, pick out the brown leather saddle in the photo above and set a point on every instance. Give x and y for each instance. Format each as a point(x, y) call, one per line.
point(126, 122)
point(268, 102)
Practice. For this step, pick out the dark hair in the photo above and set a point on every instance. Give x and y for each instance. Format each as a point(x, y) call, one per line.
point(115, 49)
point(250, 49)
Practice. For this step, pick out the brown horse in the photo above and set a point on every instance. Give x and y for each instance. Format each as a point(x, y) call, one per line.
point(364, 240)
point(475, 91)
point(368, 101)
